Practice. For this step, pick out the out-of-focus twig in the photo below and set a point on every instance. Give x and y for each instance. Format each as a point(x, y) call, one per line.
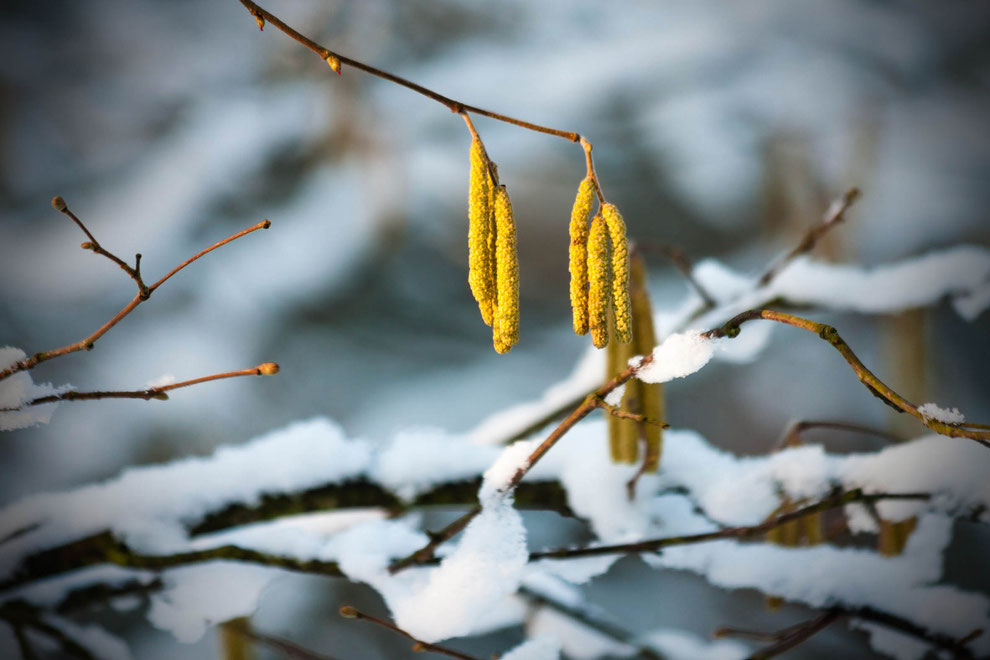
point(349, 612)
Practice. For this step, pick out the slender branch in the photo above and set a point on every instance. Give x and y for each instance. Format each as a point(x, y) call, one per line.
point(335, 58)
point(833, 216)
point(796, 635)
point(87, 343)
point(159, 392)
point(588, 617)
point(349, 612)
point(428, 552)
point(622, 414)
point(956, 647)
point(879, 389)
point(752, 531)
point(589, 162)
point(683, 266)
point(264, 224)
point(23, 615)
point(792, 435)
point(283, 646)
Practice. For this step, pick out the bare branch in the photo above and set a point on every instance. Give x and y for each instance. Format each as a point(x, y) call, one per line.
point(796, 635)
point(349, 612)
point(877, 387)
point(833, 216)
point(143, 295)
point(159, 392)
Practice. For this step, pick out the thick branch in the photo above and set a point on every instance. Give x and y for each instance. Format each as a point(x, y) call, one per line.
point(142, 295)
point(879, 389)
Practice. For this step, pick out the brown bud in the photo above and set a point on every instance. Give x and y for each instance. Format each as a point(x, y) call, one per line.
point(334, 62)
point(268, 369)
point(349, 612)
point(58, 203)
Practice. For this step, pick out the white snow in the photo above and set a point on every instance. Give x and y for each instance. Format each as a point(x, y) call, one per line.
point(947, 415)
point(677, 356)
point(18, 389)
point(676, 644)
point(543, 647)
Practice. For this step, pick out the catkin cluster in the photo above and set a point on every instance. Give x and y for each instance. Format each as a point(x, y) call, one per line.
point(641, 398)
point(599, 268)
point(493, 267)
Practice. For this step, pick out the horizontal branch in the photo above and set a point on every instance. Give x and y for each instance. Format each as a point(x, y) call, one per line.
point(144, 293)
point(751, 531)
point(159, 392)
point(877, 387)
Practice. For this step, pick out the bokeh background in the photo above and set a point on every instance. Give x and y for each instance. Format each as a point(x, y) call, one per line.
point(721, 128)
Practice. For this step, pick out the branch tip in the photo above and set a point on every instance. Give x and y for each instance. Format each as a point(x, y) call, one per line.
point(268, 369)
point(349, 612)
point(266, 223)
point(59, 204)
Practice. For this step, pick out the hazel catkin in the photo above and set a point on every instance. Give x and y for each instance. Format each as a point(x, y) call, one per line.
point(599, 282)
point(621, 305)
point(506, 326)
point(481, 244)
point(578, 262)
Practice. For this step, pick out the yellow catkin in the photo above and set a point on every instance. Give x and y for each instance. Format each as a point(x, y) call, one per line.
point(480, 241)
point(893, 536)
point(623, 434)
point(578, 264)
point(620, 273)
point(644, 340)
point(506, 327)
point(599, 282)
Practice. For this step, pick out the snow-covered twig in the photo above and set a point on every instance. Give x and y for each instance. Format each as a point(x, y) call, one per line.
point(877, 387)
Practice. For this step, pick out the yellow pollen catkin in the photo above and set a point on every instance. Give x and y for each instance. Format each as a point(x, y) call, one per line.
point(578, 263)
point(644, 339)
point(481, 243)
point(506, 327)
point(599, 282)
point(621, 305)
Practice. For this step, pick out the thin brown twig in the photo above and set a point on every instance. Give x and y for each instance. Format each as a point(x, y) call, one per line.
point(590, 165)
point(622, 414)
point(324, 53)
point(428, 552)
point(752, 531)
point(881, 390)
point(144, 293)
point(796, 635)
point(793, 433)
point(683, 265)
point(159, 392)
point(283, 646)
point(834, 215)
point(349, 612)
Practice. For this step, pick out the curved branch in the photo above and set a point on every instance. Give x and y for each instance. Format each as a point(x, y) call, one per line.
point(877, 387)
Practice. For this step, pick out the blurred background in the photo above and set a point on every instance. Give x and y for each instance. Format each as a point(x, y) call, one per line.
point(722, 129)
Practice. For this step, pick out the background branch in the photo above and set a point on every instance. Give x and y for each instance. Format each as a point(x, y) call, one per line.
point(349, 612)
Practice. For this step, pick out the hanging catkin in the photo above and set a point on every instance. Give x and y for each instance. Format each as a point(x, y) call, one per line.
point(505, 331)
point(599, 282)
point(480, 240)
point(620, 273)
point(623, 434)
point(650, 395)
point(578, 263)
